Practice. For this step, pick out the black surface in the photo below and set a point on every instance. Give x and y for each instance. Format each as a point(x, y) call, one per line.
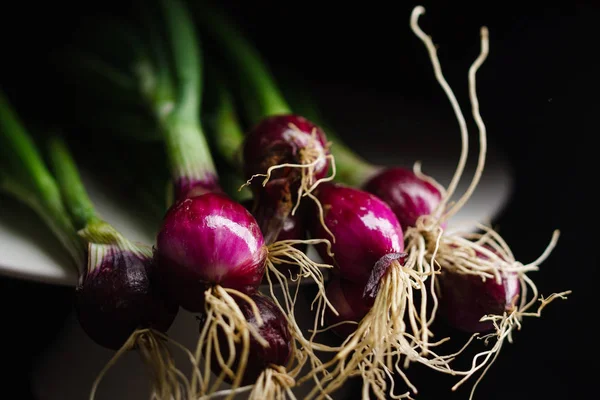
point(538, 93)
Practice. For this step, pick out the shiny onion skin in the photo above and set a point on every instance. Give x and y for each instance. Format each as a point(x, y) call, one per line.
point(118, 297)
point(365, 230)
point(347, 298)
point(274, 141)
point(464, 299)
point(274, 330)
point(209, 240)
point(407, 195)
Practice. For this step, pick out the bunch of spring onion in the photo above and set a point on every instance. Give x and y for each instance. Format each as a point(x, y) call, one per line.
point(210, 251)
point(481, 288)
point(117, 301)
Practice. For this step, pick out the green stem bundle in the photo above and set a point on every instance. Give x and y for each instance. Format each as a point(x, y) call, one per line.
point(24, 175)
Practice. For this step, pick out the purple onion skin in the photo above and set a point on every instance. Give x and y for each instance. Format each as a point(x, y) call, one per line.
point(365, 230)
point(119, 297)
point(273, 142)
point(464, 299)
point(205, 241)
point(407, 195)
point(347, 298)
point(274, 330)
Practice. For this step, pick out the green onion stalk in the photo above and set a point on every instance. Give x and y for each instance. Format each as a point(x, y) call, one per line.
point(117, 301)
point(24, 176)
point(148, 87)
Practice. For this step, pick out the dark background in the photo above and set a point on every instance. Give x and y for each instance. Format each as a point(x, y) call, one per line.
point(539, 95)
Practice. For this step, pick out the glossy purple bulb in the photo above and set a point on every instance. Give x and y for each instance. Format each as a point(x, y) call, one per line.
point(347, 298)
point(118, 296)
point(274, 330)
point(209, 240)
point(365, 230)
point(464, 299)
point(283, 139)
point(407, 195)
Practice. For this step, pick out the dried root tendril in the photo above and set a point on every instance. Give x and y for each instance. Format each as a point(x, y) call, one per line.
point(382, 339)
point(447, 209)
point(283, 252)
point(462, 258)
point(425, 242)
point(432, 50)
point(487, 256)
point(224, 319)
point(504, 327)
point(422, 259)
point(168, 382)
point(311, 157)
